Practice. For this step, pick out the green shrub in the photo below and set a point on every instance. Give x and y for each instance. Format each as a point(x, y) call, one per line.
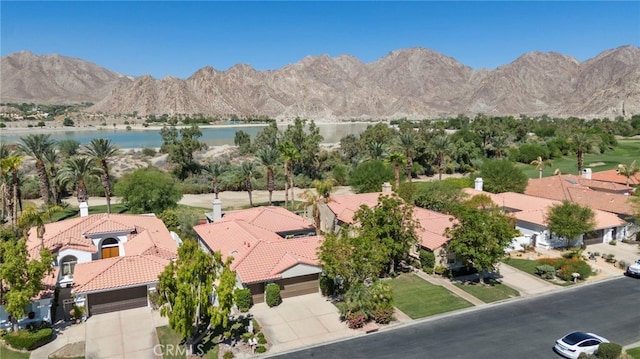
point(272, 295)
point(243, 299)
point(609, 351)
point(29, 339)
point(261, 339)
point(546, 271)
point(622, 264)
point(228, 355)
point(613, 242)
point(256, 327)
point(260, 349)
point(327, 285)
point(427, 260)
point(571, 266)
point(149, 152)
point(440, 270)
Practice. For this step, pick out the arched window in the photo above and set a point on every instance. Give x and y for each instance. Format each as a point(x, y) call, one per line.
point(110, 248)
point(67, 265)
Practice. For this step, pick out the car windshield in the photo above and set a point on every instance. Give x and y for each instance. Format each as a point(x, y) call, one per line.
point(575, 338)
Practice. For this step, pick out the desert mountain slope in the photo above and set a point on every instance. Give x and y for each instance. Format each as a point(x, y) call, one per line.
point(415, 83)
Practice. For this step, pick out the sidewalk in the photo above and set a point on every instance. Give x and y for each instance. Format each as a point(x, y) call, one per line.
point(524, 283)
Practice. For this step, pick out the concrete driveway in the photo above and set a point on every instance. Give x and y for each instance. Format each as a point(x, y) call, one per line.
point(301, 321)
point(125, 334)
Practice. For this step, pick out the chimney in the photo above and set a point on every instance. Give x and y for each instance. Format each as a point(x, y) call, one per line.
point(84, 209)
point(386, 187)
point(586, 173)
point(478, 184)
point(217, 209)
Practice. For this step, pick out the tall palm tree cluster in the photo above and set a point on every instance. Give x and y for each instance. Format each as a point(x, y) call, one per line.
point(55, 169)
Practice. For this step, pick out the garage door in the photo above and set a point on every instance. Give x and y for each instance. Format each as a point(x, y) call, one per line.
point(292, 287)
point(117, 300)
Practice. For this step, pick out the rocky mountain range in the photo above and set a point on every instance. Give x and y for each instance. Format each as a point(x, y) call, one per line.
point(415, 83)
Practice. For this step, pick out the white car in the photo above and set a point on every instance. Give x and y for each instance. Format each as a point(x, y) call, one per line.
point(634, 269)
point(573, 344)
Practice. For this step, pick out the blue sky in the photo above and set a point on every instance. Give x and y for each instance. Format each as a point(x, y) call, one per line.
point(177, 38)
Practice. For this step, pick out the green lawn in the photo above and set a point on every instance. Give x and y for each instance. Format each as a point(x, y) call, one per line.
point(6, 353)
point(634, 352)
point(418, 298)
point(492, 292)
point(170, 339)
point(625, 152)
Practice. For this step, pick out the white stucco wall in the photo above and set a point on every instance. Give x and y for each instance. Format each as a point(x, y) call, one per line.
point(83, 257)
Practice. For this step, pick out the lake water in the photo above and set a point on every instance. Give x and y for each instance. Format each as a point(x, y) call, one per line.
point(212, 136)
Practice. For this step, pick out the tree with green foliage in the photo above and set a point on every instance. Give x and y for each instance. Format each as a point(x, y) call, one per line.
point(185, 288)
point(289, 155)
point(389, 224)
point(36, 145)
point(10, 187)
point(441, 146)
point(52, 159)
point(369, 176)
point(376, 150)
point(502, 176)
point(582, 143)
point(407, 143)
point(249, 173)
point(148, 190)
point(267, 138)
point(396, 159)
point(440, 196)
point(77, 170)
point(68, 148)
point(570, 220)
point(305, 138)
point(213, 171)
point(181, 145)
point(22, 276)
point(629, 170)
point(540, 164)
point(378, 133)
point(242, 140)
point(37, 217)
point(480, 237)
point(268, 156)
point(321, 194)
point(101, 150)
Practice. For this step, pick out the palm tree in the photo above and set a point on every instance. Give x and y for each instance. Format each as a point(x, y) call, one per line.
point(321, 194)
point(582, 143)
point(290, 154)
point(214, 170)
point(269, 157)
point(77, 170)
point(408, 143)
point(441, 145)
point(540, 164)
point(248, 171)
point(37, 217)
point(52, 158)
point(376, 150)
point(11, 192)
point(396, 159)
point(628, 170)
point(499, 144)
point(36, 146)
point(102, 150)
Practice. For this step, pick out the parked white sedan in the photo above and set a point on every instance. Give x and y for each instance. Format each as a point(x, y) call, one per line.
point(634, 269)
point(573, 344)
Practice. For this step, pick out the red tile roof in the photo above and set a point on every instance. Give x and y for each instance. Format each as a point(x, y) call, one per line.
point(582, 192)
point(271, 218)
point(615, 177)
point(259, 254)
point(75, 233)
point(534, 209)
point(433, 223)
point(117, 272)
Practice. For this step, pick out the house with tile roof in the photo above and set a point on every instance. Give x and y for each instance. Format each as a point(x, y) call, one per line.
point(107, 262)
point(531, 214)
point(605, 196)
point(613, 176)
point(268, 245)
point(339, 211)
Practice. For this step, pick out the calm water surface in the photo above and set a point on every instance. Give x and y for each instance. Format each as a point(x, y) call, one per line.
point(215, 136)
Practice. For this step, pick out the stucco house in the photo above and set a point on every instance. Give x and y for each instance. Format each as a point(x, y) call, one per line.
point(531, 213)
point(268, 245)
point(107, 262)
point(340, 209)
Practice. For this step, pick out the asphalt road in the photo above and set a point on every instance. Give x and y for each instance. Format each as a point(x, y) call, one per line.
point(523, 328)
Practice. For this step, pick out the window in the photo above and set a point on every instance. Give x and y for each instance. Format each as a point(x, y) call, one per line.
point(110, 248)
point(67, 265)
